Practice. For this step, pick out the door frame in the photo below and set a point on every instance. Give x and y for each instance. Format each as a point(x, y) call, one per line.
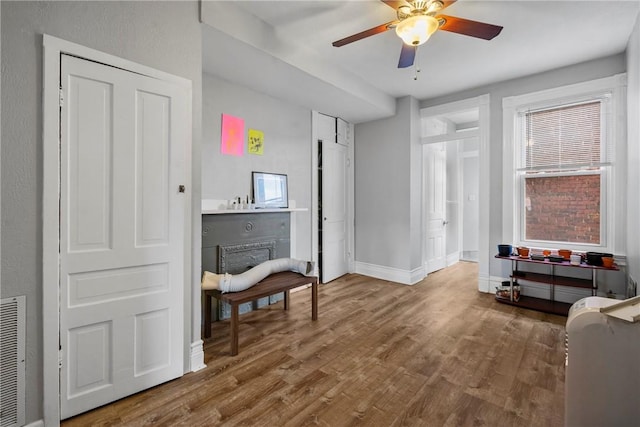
point(52, 49)
point(482, 104)
point(428, 262)
point(350, 193)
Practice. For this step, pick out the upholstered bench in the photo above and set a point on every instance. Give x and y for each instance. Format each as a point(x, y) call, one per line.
point(270, 285)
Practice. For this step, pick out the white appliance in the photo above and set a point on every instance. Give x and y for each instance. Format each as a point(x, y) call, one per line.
point(602, 378)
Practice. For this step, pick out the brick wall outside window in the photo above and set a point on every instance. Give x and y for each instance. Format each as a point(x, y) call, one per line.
point(564, 209)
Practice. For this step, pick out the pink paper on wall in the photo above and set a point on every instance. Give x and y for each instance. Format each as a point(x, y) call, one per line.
point(232, 141)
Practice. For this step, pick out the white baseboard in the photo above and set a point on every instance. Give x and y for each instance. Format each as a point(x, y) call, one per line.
point(488, 284)
point(197, 356)
point(405, 277)
point(39, 423)
point(453, 258)
point(493, 283)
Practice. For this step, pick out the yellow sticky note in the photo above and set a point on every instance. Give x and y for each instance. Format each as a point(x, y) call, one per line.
point(256, 142)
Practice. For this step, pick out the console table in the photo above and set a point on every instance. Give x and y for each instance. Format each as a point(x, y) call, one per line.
point(552, 279)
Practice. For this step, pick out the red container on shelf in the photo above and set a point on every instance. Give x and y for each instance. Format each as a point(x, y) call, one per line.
point(564, 253)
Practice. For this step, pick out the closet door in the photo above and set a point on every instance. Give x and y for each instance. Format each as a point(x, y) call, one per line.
point(121, 233)
point(332, 192)
point(435, 186)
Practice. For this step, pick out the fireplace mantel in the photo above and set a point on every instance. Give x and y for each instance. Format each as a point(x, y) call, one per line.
point(250, 211)
point(218, 207)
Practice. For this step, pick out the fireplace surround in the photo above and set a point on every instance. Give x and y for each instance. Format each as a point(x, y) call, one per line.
point(234, 242)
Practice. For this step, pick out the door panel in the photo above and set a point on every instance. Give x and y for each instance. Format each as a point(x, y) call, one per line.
point(152, 350)
point(435, 160)
point(90, 165)
point(121, 233)
point(152, 177)
point(334, 211)
point(90, 358)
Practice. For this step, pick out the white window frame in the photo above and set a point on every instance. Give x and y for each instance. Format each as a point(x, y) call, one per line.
point(613, 184)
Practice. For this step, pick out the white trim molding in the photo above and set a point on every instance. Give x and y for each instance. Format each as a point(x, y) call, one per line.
point(197, 356)
point(485, 252)
point(490, 283)
point(350, 232)
point(404, 277)
point(53, 48)
point(615, 222)
point(453, 258)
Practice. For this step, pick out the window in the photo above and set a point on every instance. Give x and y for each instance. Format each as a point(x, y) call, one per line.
point(561, 172)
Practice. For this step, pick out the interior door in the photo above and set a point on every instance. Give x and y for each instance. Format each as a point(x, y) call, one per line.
point(435, 187)
point(121, 233)
point(334, 210)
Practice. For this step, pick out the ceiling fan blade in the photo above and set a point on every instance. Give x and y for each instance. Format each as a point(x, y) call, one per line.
point(370, 32)
point(447, 3)
point(468, 27)
point(407, 56)
point(394, 4)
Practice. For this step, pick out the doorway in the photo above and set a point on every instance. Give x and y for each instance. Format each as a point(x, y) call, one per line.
point(451, 194)
point(116, 199)
point(332, 196)
point(462, 129)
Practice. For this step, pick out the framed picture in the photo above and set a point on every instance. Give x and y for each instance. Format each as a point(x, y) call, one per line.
point(270, 190)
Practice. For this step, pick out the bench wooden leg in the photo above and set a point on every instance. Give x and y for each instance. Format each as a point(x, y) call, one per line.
point(314, 300)
point(234, 329)
point(286, 300)
point(207, 314)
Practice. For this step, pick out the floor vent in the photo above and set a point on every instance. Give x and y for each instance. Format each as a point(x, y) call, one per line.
point(12, 361)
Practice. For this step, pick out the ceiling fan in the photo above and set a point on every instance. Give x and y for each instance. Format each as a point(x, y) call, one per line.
point(417, 21)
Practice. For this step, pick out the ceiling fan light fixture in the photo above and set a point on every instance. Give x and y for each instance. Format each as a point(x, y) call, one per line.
point(416, 30)
point(403, 12)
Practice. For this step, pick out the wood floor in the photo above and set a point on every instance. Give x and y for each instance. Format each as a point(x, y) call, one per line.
point(438, 353)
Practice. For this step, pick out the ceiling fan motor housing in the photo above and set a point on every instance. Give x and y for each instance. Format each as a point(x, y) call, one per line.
point(416, 30)
point(419, 7)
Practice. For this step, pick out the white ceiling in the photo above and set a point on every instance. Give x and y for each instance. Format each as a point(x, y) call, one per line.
point(283, 48)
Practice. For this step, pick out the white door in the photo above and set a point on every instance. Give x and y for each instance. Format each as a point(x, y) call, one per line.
point(435, 187)
point(334, 211)
point(121, 233)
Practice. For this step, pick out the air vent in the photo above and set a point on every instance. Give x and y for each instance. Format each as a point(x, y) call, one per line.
point(12, 361)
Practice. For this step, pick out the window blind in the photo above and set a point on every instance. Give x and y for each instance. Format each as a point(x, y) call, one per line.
point(566, 137)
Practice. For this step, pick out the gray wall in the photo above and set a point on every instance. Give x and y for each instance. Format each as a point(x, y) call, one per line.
point(287, 148)
point(563, 76)
point(387, 169)
point(388, 189)
point(633, 158)
point(162, 35)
